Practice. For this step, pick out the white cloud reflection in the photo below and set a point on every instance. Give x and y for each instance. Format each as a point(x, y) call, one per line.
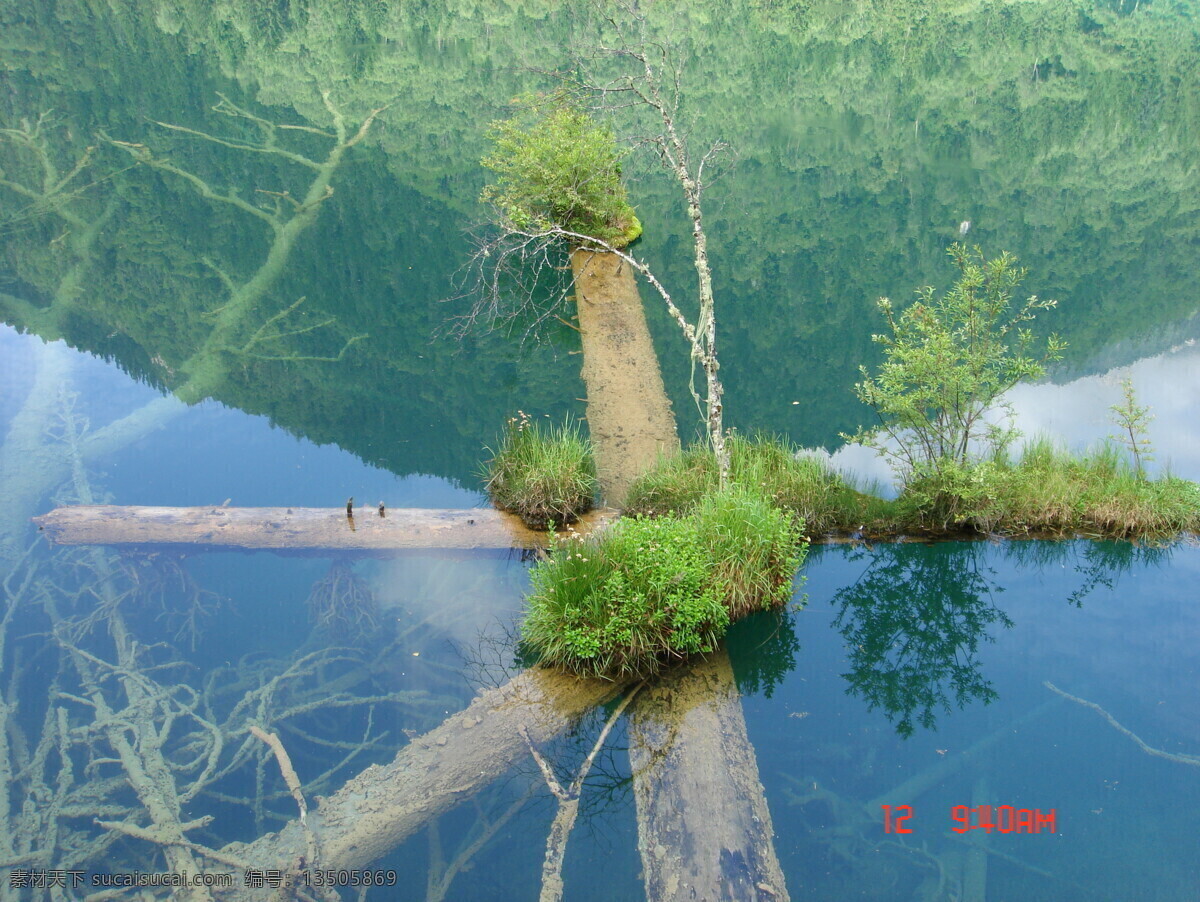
point(1078, 413)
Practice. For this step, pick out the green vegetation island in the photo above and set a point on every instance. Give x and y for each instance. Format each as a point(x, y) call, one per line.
point(718, 531)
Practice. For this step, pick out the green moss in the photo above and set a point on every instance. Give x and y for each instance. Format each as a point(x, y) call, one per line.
point(544, 475)
point(632, 233)
point(650, 591)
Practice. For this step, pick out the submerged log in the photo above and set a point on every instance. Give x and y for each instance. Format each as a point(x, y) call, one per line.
point(628, 413)
point(704, 831)
point(299, 528)
point(384, 805)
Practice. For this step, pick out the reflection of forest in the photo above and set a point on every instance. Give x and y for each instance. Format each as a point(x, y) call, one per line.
point(1058, 133)
point(916, 617)
point(101, 655)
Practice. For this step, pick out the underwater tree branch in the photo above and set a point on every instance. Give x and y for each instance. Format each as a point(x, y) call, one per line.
point(1179, 757)
point(568, 801)
point(441, 875)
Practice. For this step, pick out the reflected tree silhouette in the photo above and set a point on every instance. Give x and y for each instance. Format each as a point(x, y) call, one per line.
point(763, 650)
point(1098, 563)
point(913, 623)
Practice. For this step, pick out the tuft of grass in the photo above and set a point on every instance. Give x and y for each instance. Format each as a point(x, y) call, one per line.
point(1050, 490)
point(1046, 490)
point(648, 592)
point(753, 546)
point(800, 483)
point(1101, 492)
point(546, 475)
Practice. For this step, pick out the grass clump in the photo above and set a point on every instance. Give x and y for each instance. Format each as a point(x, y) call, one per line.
point(546, 475)
point(1046, 490)
point(1050, 490)
point(558, 168)
point(801, 484)
point(647, 592)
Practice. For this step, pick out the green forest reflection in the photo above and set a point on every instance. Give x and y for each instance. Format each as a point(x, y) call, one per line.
point(1062, 132)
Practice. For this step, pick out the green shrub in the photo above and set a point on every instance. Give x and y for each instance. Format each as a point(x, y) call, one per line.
point(544, 475)
point(949, 494)
point(949, 360)
point(647, 592)
point(1133, 426)
point(799, 483)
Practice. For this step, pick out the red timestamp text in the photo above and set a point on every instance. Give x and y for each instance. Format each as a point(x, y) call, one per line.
point(1000, 818)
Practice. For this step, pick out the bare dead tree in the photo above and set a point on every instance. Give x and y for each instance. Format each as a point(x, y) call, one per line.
point(649, 77)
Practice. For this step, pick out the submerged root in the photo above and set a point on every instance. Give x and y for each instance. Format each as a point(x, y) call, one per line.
point(342, 606)
point(165, 586)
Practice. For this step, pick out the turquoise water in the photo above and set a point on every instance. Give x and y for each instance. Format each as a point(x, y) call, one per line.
point(915, 675)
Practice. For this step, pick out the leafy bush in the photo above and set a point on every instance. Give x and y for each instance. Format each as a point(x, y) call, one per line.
point(544, 475)
point(949, 361)
point(650, 591)
point(558, 168)
point(949, 495)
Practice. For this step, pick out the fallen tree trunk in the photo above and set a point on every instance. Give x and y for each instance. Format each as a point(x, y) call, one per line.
point(296, 529)
point(704, 831)
point(629, 416)
point(384, 805)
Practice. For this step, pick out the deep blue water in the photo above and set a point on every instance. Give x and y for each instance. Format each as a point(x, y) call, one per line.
point(900, 661)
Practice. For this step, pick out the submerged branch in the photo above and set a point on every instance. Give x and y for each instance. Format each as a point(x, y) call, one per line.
point(568, 802)
point(1179, 757)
